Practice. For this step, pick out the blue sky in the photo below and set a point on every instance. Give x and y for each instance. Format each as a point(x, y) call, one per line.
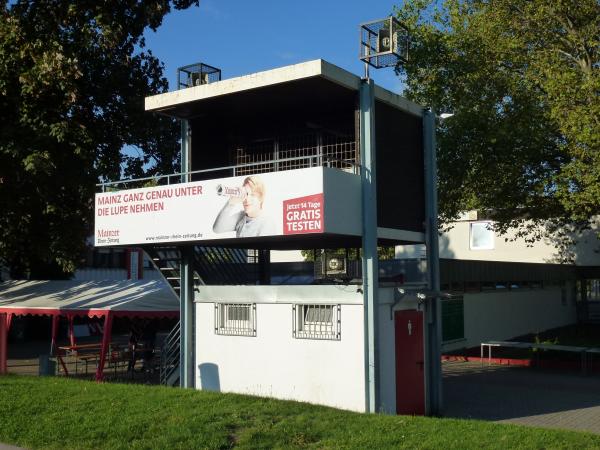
point(242, 37)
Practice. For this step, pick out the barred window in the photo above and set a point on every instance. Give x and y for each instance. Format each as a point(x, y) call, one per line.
point(235, 319)
point(317, 322)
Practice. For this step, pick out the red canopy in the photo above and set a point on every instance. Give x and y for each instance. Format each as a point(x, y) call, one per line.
point(69, 298)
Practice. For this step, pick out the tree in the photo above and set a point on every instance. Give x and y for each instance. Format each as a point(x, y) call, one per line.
point(73, 77)
point(522, 78)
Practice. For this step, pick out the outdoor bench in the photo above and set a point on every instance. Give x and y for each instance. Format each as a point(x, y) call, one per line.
point(583, 351)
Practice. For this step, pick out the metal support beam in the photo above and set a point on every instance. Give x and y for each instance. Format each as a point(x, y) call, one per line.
point(433, 321)
point(186, 291)
point(369, 248)
point(3, 343)
point(106, 338)
point(264, 267)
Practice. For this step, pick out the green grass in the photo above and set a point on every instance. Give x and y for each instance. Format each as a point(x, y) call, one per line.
point(60, 413)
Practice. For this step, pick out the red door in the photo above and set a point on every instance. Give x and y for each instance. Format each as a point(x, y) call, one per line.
point(410, 375)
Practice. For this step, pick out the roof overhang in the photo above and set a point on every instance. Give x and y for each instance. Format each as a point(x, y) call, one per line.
point(298, 80)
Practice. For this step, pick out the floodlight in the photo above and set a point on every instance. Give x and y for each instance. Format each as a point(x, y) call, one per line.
point(196, 75)
point(384, 43)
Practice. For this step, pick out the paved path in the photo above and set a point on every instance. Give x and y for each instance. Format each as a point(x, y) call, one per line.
point(522, 396)
point(9, 447)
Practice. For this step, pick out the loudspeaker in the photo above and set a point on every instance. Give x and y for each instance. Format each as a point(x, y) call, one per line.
point(383, 41)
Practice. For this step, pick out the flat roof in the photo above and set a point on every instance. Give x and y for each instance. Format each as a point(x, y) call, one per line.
point(177, 103)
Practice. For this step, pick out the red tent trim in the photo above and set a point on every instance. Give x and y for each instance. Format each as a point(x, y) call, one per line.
point(6, 314)
point(97, 313)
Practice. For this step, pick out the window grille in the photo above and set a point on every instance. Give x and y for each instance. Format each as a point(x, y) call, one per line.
point(235, 319)
point(317, 322)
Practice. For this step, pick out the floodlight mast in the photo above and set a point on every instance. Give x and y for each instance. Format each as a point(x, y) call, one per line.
point(383, 43)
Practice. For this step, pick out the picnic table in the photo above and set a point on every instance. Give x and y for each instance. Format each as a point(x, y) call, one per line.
point(583, 351)
point(90, 353)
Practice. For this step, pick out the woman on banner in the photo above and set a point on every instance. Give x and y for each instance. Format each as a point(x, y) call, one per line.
point(244, 213)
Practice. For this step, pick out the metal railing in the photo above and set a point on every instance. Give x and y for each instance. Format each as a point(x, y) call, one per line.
point(224, 266)
point(169, 357)
point(276, 165)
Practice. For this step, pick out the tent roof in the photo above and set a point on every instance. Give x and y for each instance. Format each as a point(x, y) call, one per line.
point(91, 298)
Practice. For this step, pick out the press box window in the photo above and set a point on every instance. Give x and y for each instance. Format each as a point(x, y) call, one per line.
point(235, 319)
point(317, 322)
point(481, 236)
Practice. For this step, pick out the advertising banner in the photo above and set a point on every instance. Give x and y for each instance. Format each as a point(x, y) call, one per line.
point(270, 204)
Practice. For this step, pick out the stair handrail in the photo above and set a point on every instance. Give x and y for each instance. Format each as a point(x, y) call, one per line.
point(169, 355)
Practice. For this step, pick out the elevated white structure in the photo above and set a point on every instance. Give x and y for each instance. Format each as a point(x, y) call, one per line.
point(307, 156)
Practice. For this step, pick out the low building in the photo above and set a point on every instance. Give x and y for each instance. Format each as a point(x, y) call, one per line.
point(503, 286)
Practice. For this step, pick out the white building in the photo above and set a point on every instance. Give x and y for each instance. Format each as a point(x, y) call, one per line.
point(505, 287)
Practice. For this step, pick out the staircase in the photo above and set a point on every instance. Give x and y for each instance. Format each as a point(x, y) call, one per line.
point(224, 266)
point(212, 266)
point(169, 358)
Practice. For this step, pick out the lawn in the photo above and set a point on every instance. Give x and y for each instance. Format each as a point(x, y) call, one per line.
point(59, 413)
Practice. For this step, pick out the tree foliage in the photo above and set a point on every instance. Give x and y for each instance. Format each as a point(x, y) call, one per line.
point(73, 77)
point(522, 78)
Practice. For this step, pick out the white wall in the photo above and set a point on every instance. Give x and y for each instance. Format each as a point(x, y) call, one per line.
point(93, 274)
point(286, 256)
point(505, 315)
point(274, 363)
point(455, 244)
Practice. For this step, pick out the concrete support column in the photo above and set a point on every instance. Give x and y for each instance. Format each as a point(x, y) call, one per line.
point(370, 271)
point(433, 320)
point(186, 291)
point(186, 294)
